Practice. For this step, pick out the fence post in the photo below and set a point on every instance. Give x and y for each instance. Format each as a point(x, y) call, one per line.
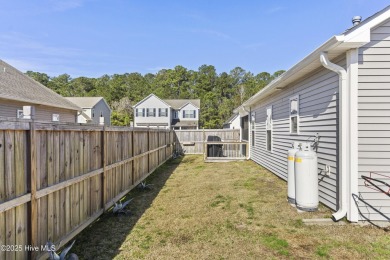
point(33, 190)
point(132, 154)
point(104, 162)
point(148, 149)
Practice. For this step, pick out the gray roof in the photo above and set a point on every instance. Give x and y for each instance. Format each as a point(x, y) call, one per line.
point(14, 85)
point(179, 103)
point(85, 102)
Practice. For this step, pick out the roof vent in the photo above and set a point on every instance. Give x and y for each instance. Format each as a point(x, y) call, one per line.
point(356, 20)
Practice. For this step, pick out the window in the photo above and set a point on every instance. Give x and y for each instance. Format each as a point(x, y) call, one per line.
point(189, 113)
point(245, 128)
point(140, 112)
point(55, 118)
point(268, 127)
point(150, 112)
point(176, 114)
point(19, 113)
point(294, 115)
point(163, 112)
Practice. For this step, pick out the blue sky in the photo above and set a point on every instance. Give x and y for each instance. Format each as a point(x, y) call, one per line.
point(94, 37)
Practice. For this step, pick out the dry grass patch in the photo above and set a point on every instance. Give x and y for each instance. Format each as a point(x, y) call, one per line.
point(234, 210)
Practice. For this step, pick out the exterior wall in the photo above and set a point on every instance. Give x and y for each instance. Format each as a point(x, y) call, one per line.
point(8, 108)
point(318, 113)
point(374, 124)
point(101, 107)
point(152, 102)
point(235, 124)
point(189, 107)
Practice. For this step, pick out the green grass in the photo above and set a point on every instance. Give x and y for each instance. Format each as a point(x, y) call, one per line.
point(235, 210)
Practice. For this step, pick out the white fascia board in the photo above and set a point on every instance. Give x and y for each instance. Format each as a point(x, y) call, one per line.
point(135, 106)
point(281, 80)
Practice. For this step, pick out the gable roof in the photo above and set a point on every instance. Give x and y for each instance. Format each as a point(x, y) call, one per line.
point(15, 85)
point(86, 102)
point(151, 95)
point(230, 119)
point(354, 37)
point(179, 103)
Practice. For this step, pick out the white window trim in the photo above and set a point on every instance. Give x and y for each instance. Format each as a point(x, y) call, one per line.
point(19, 113)
point(296, 97)
point(165, 114)
point(269, 127)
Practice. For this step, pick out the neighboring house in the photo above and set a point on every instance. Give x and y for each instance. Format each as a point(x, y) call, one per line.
point(233, 122)
point(170, 113)
point(18, 90)
point(341, 91)
point(95, 109)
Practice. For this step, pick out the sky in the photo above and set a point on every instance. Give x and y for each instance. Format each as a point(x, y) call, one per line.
point(92, 38)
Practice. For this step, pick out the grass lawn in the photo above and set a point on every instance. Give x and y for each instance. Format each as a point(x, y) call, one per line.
point(235, 210)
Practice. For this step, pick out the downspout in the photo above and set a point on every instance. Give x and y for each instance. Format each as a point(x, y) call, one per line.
point(343, 101)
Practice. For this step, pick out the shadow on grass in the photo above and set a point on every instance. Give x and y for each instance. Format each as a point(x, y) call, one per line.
point(103, 238)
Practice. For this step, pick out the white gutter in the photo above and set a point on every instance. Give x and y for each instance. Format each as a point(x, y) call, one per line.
point(343, 133)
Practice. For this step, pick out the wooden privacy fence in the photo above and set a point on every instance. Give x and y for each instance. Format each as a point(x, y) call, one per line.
point(57, 179)
point(222, 143)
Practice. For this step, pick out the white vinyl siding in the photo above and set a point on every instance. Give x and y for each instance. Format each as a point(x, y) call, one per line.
point(318, 113)
point(374, 124)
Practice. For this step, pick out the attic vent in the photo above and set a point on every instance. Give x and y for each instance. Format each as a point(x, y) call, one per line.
point(356, 20)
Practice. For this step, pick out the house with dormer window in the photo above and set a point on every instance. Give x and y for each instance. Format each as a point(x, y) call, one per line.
point(167, 113)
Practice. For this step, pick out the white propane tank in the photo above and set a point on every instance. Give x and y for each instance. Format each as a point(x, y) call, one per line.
point(291, 173)
point(306, 179)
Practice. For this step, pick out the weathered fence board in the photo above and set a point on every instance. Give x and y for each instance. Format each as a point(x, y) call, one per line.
point(57, 179)
point(193, 141)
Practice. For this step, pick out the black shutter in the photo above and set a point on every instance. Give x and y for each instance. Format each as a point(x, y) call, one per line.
point(194, 113)
point(166, 112)
point(154, 112)
point(136, 112)
point(184, 114)
point(143, 112)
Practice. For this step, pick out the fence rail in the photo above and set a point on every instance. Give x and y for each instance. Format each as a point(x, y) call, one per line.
point(60, 178)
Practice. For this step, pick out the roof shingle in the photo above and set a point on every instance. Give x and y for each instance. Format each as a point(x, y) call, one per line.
point(14, 85)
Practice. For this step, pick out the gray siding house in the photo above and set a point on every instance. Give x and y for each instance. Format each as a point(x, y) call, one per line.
point(340, 91)
point(95, 110)
point(168, 113)
point(18, 90)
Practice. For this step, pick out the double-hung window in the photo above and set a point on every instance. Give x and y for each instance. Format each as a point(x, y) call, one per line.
point(163, 112)
point(150, 112)
point(294, 115)
point(140, 112)
point(268, 127)
point(189, 113)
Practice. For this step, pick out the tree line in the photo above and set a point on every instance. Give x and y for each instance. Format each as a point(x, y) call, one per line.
point(219, 93)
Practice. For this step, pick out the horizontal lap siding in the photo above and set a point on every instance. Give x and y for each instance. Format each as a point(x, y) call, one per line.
point(374, 125)
point(318, 106)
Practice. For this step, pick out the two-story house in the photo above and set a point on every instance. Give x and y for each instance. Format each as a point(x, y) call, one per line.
point(168, 113)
